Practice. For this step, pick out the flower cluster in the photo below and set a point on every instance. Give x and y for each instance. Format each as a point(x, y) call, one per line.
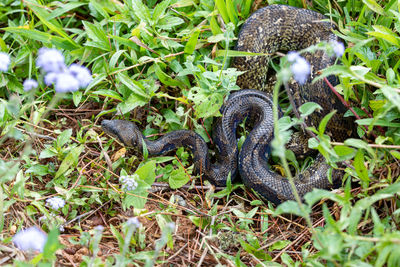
point(338, 48)
point(134, 222)
point(300, 67)
point(129, 183)
point(4, 61)
point(55, 203)
point(65, 79)
point(30, 84)
point(31, 239)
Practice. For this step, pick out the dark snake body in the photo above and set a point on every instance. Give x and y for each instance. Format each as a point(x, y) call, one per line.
point(271, 29)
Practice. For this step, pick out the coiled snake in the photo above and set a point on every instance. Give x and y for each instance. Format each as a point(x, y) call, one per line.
point(268, 30)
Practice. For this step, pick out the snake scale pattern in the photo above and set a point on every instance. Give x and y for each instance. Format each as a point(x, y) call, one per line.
point(268, 30)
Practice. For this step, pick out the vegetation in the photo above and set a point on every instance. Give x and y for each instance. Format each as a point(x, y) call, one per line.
point(165, 65)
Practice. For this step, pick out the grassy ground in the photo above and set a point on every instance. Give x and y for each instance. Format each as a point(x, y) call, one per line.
point(164, 65)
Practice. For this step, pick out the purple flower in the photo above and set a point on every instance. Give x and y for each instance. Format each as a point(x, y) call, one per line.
point(55, 203)
point(133, 222)
point(301, 70)
point(82, 74)
point(338, 48)
point(50, 78)
point(30, 84)
point(4, 61)
point(129, 183)
point(30, 239)
point(50, 60)
point(65, 82)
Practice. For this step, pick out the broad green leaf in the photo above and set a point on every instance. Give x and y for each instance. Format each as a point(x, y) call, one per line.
point(392, 95)
point(178, 178)
point(191, 44)
point(141, 11)
point(395, 154)
point(42, 37)
point(53, 25)
point(64, 8)
point(292, 207)
point(221, 6)
point(374, 6)
point(97, 37)
point(166, 79)
point(386, 34)
point(70, 160)
point(64, 137)
point(108, 93)
point(377, 122)
point(159, 10)
point(215, 28)
point(359, 144)
point(308, 108)
point(360, 168)
point(231, 10)
point(324, 122)
point(147, 172)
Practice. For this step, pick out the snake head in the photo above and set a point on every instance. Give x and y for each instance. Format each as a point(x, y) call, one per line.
point(125, 131)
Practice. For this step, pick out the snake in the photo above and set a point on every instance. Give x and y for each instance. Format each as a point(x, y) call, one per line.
point(275, 28)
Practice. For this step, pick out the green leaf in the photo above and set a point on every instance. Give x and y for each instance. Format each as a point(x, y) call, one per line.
point(42, 37)
point(52, 24)
point(308, 108)
point(141, 11)
point(97, 36)
point(374, 6)
point(147, 172)
point(178, 178)
point(377, 122)
point(108, 93)
point(359, 144)
point(221, 6)
point(166, 79)
point(64, 137)
point(324, 122)
point(52, 245)
point(77, 97)
point(215, 28)
point(392, 95)
point(159, 10)
point(385, 34)
point(360, 168)
point(278, 245)
point(231, 10)
point(292, 207)
point(191, 44)
point(395, 154)
point(71, 159)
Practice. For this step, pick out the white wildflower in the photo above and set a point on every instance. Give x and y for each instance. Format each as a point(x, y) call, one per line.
point(171, 226)
point(55, 203)
point(50, 60)
point(82, 74)
point(30, 84)
point(50, 78)
point(4, 61)
point(99, 228)
point(65, 82)
point(338, 48)
point(129, 183)
point(133, 222)
point(301, 70)
point(292, 56)
point(31, 239)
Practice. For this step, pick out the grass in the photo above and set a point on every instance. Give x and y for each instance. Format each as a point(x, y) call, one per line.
point(165, 65)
